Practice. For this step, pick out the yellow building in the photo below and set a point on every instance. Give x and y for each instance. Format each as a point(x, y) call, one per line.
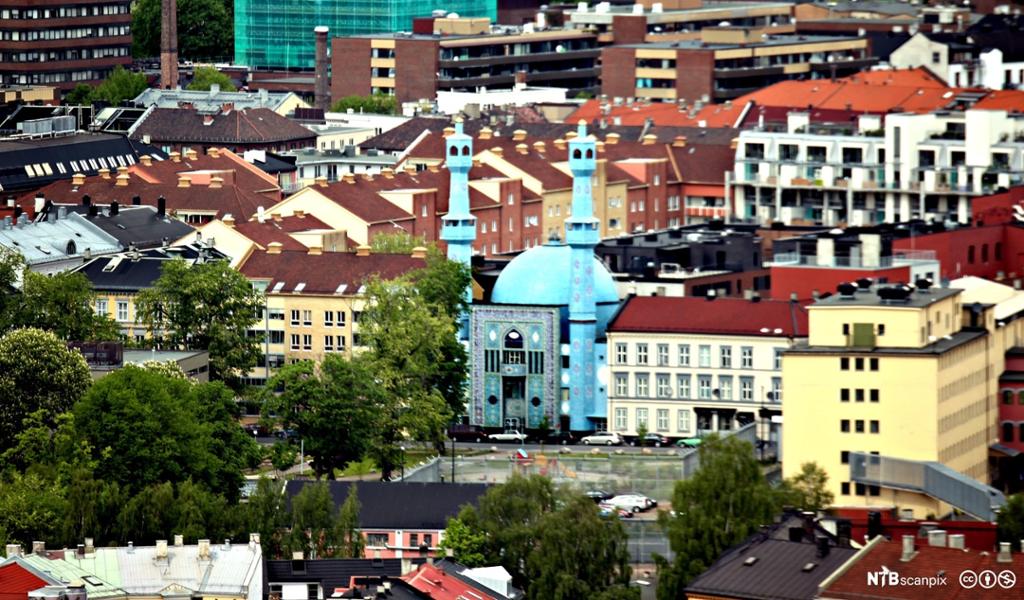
point(906, 374)
point(313, 300)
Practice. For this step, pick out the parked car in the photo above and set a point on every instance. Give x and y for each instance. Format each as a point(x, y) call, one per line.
point(651, 439)
point(605, 438)
point(598, 496)
point(561, 437)
point(511, 435)
point(688, 442)
point(632, 502)
point(286, 434)
point(467, 433)
point(607, 510)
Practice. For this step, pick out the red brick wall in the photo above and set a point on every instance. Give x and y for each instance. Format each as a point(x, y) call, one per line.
point(953, 250)
point(618, 72)
point(804, 280)
point(415, 69)
point(629, 29)
point(695, 75)
point(350, 65)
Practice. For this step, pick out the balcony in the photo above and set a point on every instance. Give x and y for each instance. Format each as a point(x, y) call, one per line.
point(898, 258)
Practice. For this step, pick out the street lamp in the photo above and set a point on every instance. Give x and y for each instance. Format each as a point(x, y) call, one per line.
point(402, 448)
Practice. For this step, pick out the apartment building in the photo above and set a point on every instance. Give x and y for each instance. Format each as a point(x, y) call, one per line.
point(726, 62)
point(686, 367)
point(905, 166)
point(894, 395)
point(313, 300)
point(63, 44)
point(416, 66)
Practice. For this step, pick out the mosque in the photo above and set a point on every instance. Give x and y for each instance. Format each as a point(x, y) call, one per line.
point(537, 350)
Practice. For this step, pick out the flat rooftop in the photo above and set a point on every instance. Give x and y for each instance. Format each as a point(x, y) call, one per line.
point(870, 297)
point(708, 10)
point(777, 40)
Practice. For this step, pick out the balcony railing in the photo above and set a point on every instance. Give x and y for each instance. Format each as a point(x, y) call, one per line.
point(901, 257)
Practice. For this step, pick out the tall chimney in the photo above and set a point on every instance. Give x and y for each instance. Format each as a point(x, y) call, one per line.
point(321, 87)
point(169, 44)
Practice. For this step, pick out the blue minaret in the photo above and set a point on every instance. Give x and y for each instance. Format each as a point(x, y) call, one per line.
point(581, 233)
point(458, 227)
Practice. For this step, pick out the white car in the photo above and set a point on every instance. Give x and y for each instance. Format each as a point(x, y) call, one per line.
point(631, 502)
point(603, 438)
point(508, 436)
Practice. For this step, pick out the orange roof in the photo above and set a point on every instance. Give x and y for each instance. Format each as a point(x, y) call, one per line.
point(1008, 100)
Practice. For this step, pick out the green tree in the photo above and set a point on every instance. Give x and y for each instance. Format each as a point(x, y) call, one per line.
point(579, 554)
point(31, 508)
point(806, 489)
point(121, 85)
point(467, 544)
point(396, 243)
point(726, 500)
point(80, 95)
point(207, 306)
point(149, 514)
point(377, 103)
point(641, 434)
point(266, 514)
point(37, 372)
point(347, 534)
point(204, 77)
point(282, 455)
point(1011, 521)
point(313, 525)
point(62, 303)
point(12, 266)
point(205, 29)
point(334, 407)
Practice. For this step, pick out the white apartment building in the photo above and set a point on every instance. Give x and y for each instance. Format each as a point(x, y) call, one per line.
point(911, 166)
point(958, 64)
point(685, 367)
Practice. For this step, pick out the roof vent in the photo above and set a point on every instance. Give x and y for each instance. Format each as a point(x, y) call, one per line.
point(864, 283)
point(809, 567)
point(846, 290)
point(749, 561)
point(895, 293)
point(923, 283)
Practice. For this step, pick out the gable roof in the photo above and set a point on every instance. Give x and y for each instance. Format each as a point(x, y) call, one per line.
point(246, 126)
point(723, 316)
point(325, 273)
point(17, 579)
point(123, 272)
point(138, 225)
point(402, 505)
point(330, 573)
point(63, 237)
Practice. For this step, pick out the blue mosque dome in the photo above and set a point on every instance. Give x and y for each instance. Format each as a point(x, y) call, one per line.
point(541, 277)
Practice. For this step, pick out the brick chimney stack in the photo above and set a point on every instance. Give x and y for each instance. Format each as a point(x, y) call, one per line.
point(169, 44)
point(321, 87)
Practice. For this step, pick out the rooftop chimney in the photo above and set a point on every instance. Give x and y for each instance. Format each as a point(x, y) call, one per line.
point(228, 221)
point(161, 549)
point(388, 173)
point(320, 181)
point(649, 139)
point(89, 547)
point(179, 540)
point(275, 216)
point(121, 180)
point(908, 549)
point(522, 149)
point(190, 154)
point(611, 138)
point(823, 548)
point(213, 152)
point(956, 540)
point(498, 151)
point(274, 247)
point(559, 144)
point(679, 141)
point(315, 250)
point(486, 133)
point(447, 131)
point(1004, 553)
point(13, 550)
point(362, 250)
point(161, 207)
point(207, 120)
point(299, 214)
point(518, 135)
point(175, 157)
point(169, 44)
point(78, 179)
point(146, 160)
point(104, 173)
point(115, 208)
point(184, 181)
point(937, 538)
point(349, 178)
point(204, 549)
point(38, 547)
point(419, 252)
point(539, 146)
point(254, 538)
point(216, 182)
point(321, 86)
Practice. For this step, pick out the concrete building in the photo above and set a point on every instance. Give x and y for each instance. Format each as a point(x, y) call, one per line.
point(894, 395)
point(451, 102)
point(63, 45)
point(60, 242)
point(960, 62)
point(214, 100)
point(686, 367)
point(417, 66)
point(726, 63)
point(905, 166)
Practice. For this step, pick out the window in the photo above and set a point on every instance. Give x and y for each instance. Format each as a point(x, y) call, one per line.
point(641, 354)
point(641, 417)
point(936, 57)
point(704, 387)
point(844, 457)
point(295, 341)
point(844, 395)
point(664, 386)
point(881, 329)
point(621, 384)
point(339, 343)
point(746, 357)
point(414, 540)
point(295, 317)
point(725, 355)
point(122, 310)
point(620, 353)
point(970, 254)
point(683, 385)
point(844, 364)
point(859, 395)
point(307, 318)
point(776, 389)
point(307, 341)
point(376, 540)
point(328, 318)
point(1007, 432)
point(1007, 397)
point(683, 420)
point(858, 364)
point(874, 426)
point(844, 426)
point(684, 355)
point(642, 385)
point(777, 363)
point(662, 355)
point(844, 488)
point(428, 539)
point(860, 488)
point(747, 389)
point(662, 422)
point(101, 308)
point(704, 356)
point(328, 343)
point(846, 329)
point(725, 387)
point(873, 395)
point(873, 364)
point(620, 419)
point(859, 426)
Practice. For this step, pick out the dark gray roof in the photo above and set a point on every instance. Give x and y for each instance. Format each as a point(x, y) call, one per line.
point(940, 346)
point(122, 272)
point(330, 573)
point(777, 571)
point(139, 225)
point(394, 505)
point(917, 299)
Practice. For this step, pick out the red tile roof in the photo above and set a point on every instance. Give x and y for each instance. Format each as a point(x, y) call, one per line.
point(1008, 100)
point(723, 316)
point(324, 273)
point(247, 126)
point(439, 585)
point(246, 175)
point(363, 201)
point(928, 562)
point(266, 233)
point(16, 582)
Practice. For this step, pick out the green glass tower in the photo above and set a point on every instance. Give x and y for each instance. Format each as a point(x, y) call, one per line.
point(279, 33)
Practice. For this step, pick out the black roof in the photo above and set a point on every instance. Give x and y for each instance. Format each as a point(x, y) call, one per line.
point(138, 226)
point(394, 505)
point(274, 164)
point(330, 573)
point(122, 272)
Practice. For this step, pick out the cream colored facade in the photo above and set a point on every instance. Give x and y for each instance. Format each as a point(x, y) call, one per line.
point(687, 384)
point(910, 381)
